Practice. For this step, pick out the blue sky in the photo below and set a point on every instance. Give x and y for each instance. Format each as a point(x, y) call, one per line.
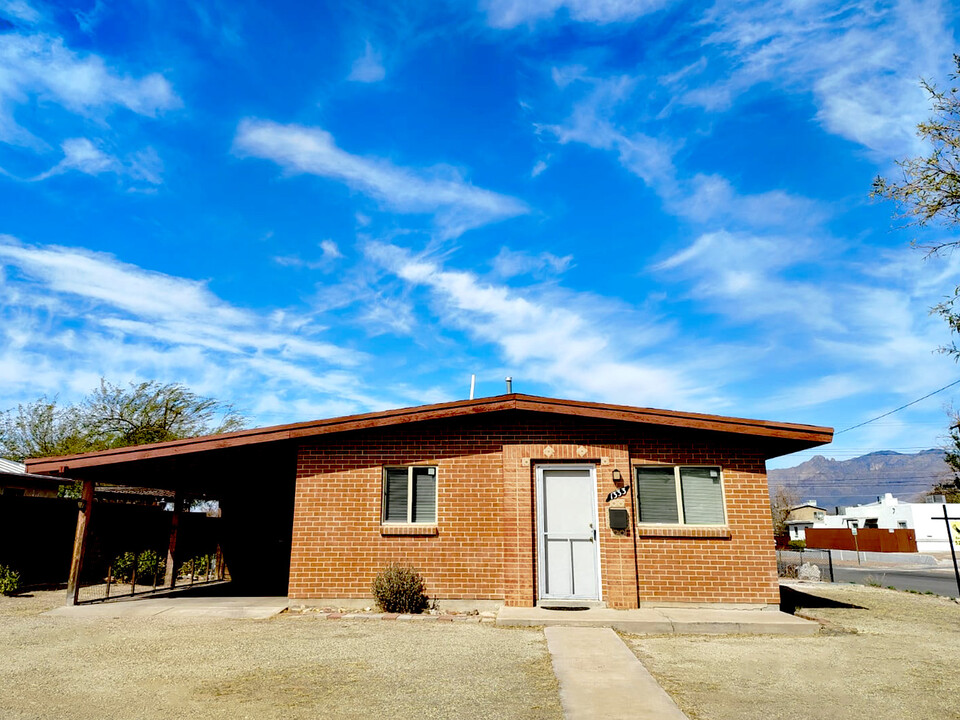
point(313, 212)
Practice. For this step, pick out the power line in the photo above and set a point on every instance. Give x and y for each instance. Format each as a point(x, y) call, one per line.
point(867, 422)
point(892, 475)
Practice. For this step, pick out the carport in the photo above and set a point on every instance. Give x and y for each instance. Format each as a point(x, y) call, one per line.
point(250, 480)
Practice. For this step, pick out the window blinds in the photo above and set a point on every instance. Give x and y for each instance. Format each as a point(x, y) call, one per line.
point(657, 495)
point(424, 495)
point(702, 496)
point(396, 495)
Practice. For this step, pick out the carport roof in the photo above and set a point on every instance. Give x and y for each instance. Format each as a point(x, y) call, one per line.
point(787, 437)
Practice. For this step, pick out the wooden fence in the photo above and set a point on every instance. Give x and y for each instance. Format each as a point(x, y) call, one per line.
point(866, 539)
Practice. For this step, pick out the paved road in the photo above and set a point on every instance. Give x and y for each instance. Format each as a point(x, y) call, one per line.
point(940, 581)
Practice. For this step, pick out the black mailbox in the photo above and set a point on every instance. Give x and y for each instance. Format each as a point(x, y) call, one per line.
point(619, 520)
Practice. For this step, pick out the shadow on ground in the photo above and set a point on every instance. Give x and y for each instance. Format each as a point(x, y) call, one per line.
point(791, 599)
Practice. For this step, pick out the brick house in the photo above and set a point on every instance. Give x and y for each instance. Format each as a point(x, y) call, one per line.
point(511, 499)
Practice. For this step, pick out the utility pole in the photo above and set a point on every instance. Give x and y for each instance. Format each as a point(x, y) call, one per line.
point(953, 553)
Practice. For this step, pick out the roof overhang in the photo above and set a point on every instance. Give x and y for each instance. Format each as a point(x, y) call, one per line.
point(779, 438)
point(30, 481)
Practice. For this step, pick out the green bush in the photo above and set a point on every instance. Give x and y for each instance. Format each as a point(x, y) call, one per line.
point(797, 544)
point(149, 566)
point(199, 566)
point(9, 580)
point(399, 589)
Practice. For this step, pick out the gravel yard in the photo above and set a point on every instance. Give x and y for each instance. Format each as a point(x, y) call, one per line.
point(895, 659)
point(291, 666)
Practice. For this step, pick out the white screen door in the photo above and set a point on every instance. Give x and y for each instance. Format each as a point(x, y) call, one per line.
point(567, 500)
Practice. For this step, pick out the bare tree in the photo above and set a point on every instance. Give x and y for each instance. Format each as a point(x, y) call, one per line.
point(929, 193)
point(782, 500)
point(929, 188)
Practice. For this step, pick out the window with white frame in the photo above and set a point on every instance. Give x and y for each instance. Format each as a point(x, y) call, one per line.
point(679, 495)
point(410, 495)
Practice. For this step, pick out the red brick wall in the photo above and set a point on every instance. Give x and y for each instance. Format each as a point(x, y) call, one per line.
point(485, 541)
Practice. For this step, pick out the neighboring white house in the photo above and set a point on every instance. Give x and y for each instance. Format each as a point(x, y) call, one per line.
point(889, 513)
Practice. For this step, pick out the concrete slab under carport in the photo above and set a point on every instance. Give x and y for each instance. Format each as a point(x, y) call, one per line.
point(252, 608)
point(663, 620)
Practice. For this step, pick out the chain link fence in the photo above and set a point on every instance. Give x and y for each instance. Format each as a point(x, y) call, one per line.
point(790, 564)
point(134, 572)
point(127, 546)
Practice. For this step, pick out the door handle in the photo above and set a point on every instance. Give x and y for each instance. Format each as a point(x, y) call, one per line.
point(593, 532)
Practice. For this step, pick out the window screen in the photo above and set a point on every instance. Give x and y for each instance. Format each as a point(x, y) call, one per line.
point(702, 496)
point(396, 500)
point(657, 495)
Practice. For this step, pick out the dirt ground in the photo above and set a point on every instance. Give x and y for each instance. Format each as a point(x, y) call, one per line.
point(896, 658)
point(291, 666)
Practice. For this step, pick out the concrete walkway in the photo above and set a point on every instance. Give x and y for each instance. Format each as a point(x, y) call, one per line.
point(659, 621)
point(601, 678)
point(191, 607)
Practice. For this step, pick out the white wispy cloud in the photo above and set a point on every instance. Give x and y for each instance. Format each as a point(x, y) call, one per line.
point(510, 263)
point(820, 391)
point(85, 156)
point(861, 60)
point(510, 13)
point(743, 276)
point(19, 10)
point(145, 165)
point(41, 66)
point(329, 252)
point(864, 326)
point(88, 20)
point(368, 68)
point(581, 345)
point(713, 199)
point(456, 205)
point(81, 155)
point(700, 197)
point(69, 316)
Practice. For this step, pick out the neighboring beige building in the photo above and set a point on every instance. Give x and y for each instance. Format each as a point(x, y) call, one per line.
point(801, 517)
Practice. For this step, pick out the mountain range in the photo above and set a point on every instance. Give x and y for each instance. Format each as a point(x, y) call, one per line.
point(862, 479)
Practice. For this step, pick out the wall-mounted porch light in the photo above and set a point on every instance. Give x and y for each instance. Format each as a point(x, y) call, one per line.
point(617, 477)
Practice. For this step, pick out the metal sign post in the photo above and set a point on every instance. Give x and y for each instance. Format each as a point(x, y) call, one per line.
point(953, 553)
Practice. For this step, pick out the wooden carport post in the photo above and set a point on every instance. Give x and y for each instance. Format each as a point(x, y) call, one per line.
point(80, 541)
point(170, 576)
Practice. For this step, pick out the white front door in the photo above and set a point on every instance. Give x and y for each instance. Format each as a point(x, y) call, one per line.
point(567, 517)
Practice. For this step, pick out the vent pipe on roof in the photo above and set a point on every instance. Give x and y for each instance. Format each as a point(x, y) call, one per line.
point(473, 384)
point(509, 385)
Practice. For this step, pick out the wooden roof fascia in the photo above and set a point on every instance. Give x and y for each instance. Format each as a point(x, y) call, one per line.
point(714, 423)
point(810, 434)
point(275, 433)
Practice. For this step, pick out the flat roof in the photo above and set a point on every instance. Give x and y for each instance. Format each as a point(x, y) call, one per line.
point(792, 436)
